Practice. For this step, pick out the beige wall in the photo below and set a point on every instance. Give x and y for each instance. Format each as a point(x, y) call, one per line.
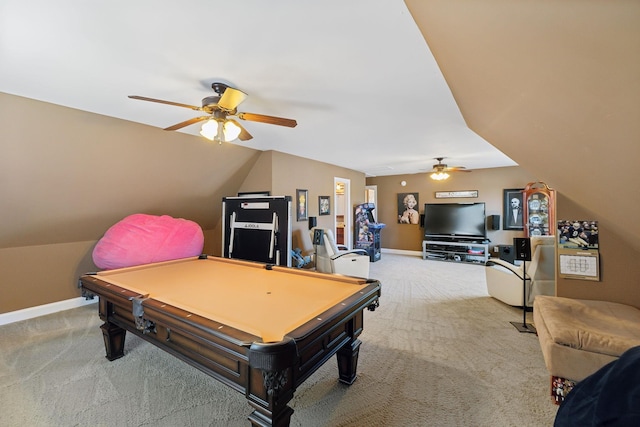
point(292, 172)
point(283, 174)
point(619, 266)
point(618, 258)
point(66, 176)
point(488, 182)
point(41, 274)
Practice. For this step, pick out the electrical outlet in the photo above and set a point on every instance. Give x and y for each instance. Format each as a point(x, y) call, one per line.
point(496, 249)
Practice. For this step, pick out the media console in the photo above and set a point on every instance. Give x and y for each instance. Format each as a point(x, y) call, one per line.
point(455, 251)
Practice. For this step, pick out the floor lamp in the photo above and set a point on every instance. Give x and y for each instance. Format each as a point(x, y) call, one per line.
point(522, 247)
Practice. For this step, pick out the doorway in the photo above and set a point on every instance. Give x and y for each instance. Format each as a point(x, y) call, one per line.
point(342, 211)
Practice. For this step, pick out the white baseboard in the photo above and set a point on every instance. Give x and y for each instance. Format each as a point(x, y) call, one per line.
point(42, 310)
point(401, 252)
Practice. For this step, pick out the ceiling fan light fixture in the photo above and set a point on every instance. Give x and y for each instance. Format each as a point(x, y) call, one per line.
point(439, 176)
point(220, 131)
point(217, 127)
point(209, 129)
point(231, 131)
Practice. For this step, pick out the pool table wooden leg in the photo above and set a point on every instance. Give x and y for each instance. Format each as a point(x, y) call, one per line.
point(113, 340)
point(348, 361)
point(260, 417)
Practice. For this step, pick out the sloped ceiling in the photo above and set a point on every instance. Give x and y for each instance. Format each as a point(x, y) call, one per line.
point(555, 85)
point(357, 75)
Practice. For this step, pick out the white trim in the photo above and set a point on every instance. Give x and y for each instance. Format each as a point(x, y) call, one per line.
point(400, 252)
point(348, 210)
point(42, 310)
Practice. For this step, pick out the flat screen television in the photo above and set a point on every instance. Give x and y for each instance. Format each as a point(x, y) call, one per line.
point(455, 221)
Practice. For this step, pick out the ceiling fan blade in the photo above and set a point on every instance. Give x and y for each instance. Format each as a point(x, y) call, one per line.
point(177, 104)
point(244, 135)
point(187, 123)
point(268, 119)
point(231, 98)
point(457, 169)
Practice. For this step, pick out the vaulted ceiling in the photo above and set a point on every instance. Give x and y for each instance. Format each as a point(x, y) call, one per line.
point(356, 75)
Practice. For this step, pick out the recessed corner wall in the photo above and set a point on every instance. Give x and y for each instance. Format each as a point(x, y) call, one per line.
point(488, 182)
point(60, 190)
point(619, 266)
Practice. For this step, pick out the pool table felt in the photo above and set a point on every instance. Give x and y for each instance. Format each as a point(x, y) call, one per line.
point(245, 296)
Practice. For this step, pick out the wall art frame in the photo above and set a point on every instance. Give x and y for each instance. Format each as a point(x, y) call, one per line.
point(456, 194)
point(324, 205)
point(512, 215)
point(302, 205)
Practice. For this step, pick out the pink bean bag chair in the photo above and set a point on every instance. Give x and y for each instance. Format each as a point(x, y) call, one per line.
point(143, 239)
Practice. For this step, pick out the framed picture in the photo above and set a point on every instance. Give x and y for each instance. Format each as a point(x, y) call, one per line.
point(407, 213)
point(512, 209)
point(323, 205)
point(578, 249)
point(452, 194)
point(302, 203)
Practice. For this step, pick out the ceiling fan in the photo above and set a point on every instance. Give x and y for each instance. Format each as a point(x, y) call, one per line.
point(218, 126)
point(440, 170)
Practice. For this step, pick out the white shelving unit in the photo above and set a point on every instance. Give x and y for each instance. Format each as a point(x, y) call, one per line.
point(469, 252)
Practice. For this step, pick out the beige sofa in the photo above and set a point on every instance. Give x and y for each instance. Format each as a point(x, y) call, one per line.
point(578, 337)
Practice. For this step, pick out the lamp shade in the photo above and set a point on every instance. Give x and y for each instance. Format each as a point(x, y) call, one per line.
point(439, 176)
point(231, 131)
point(209, 129)
point(221, 131)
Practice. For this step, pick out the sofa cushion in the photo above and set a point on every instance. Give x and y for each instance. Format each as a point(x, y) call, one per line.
point(595, 326)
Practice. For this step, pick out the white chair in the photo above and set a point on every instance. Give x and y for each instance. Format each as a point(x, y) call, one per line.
point(505, 280)
point(330, 259)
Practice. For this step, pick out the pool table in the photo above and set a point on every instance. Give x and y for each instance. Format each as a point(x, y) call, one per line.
point(258, 328)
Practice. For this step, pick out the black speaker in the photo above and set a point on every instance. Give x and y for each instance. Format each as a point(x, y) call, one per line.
point(522, 247)
point(421, 220)
point(313, 221)
point(318, 234)
point(494, 222)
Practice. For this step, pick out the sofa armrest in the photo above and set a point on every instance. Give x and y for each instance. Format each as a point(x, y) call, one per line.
point(351, 252)
point(502, 264)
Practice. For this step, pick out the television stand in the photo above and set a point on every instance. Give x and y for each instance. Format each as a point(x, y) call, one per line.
point(455, 251)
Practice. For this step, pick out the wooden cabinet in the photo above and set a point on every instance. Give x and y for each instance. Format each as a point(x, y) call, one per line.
point(340, 235)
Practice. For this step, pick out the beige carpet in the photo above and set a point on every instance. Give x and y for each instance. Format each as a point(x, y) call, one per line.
point(438, 352)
